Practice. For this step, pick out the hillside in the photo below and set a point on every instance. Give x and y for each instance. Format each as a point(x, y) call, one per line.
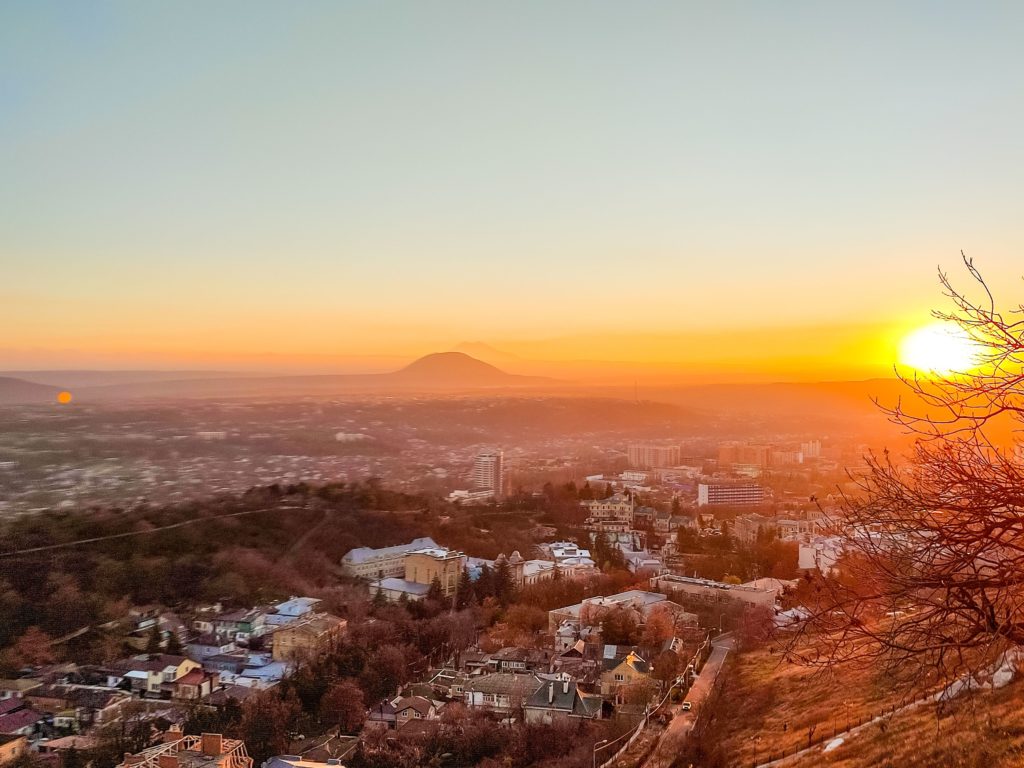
point(20, 392)
point(767, 707)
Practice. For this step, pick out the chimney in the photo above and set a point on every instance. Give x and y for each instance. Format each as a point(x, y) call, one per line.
point(565, 686)
point(551, 692)
point(167, 761)
point(213, 744)
point(171, 735)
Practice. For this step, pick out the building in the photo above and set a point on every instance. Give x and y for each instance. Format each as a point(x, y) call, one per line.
point(561, 700)
point(589, 612)
point(12, 746)
point(420, 568)
point(811, 449)
point(730, 454)
point(489, 473)
point(709, 591)
point(630, 670)
point(291, 610)
point(308, 638)
point(151, 675)
point(382, 563)
point(611, 515)
point(445, 565)
point(730, 494)
point(646, 456)
point(502, 693)
point(412, 708)
point(820, 553)
point(211, 750)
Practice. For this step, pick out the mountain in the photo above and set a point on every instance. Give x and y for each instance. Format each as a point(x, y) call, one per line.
point(487, 353)
point(439, 372)
point(20, 392)
point(457, 369)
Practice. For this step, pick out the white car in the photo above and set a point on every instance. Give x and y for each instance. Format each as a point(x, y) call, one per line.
point(687, 706)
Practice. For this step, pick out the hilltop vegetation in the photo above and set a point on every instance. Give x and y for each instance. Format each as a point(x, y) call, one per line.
point(279, 541)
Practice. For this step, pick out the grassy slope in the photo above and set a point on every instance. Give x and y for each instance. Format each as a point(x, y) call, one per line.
point(760, 695)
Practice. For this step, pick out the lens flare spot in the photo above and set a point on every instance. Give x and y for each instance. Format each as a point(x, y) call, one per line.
point(64, 398)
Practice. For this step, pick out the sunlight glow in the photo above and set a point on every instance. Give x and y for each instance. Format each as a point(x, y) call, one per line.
point(940, 348)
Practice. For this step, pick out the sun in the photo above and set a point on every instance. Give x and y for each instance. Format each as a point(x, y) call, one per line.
point(940, 348)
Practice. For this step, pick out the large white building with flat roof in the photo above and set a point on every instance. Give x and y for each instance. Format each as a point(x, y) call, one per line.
point(730, 494)
point(382, 563)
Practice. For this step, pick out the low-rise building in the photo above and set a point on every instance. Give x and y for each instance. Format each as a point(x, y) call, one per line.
point(502, 693)
point(623, 673)
point(151, 675)
point(713, 591)
point(561, 700)
point(383, 562)
point(12, 747)
point(211, 750)
point(291, 610)
point(308, 638)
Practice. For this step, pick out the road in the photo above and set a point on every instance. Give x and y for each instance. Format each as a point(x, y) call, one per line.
point(679, 727)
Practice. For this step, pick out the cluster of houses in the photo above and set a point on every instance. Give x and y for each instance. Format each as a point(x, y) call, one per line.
point(214, 656)
point(576, 676)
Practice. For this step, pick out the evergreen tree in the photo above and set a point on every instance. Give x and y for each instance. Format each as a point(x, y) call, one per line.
point(174, 644)
point(504, 587)
point(379, 601)
point(436, 591)
point(464, 596)
point(484, 586)
point(155, 640)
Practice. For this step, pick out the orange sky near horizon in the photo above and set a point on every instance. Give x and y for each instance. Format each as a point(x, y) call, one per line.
point(703, 190)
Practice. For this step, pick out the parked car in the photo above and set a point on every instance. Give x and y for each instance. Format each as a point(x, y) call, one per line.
point(687, 706)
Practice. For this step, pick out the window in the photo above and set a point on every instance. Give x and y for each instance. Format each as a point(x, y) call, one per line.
point(619, 678)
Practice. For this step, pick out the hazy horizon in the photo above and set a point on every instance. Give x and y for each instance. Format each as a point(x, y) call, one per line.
point(690, 188)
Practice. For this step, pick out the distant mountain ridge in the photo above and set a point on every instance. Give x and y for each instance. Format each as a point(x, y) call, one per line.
point(437, 372)
point(15, 391)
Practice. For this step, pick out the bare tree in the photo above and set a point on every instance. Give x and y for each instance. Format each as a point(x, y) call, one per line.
point(931, 584)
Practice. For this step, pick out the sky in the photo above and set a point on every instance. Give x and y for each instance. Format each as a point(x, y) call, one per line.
point(762, 188)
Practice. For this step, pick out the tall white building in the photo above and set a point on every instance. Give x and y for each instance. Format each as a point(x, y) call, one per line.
point(489, 472)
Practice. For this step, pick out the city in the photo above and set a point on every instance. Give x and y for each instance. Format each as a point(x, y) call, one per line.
point(511, 385)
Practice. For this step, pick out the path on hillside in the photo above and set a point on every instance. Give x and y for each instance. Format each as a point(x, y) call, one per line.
point(301, 541)
point(850, 732)
point(672, 740)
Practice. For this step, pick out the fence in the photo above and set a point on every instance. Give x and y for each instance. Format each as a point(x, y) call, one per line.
point(815, 739)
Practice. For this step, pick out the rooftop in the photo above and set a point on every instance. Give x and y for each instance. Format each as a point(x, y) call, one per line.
point(365, 554)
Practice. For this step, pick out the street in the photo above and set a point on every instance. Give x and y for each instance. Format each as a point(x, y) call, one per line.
point(682, 722)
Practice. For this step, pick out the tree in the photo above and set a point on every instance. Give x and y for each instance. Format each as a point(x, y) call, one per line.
point(618, 626)
point(33, 649)
point(155, 641)
point(504, 586)
point(436, 591)
point(931, 582)
point(464, 592)
point(267, 719)
point(342, 706)
point(173, 643)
